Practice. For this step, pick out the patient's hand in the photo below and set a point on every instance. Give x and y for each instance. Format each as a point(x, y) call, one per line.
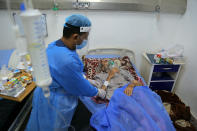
point(129, 89)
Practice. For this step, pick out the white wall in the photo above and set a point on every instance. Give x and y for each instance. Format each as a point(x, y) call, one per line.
point(7, 36)
point(186, 34)
point(136, 31)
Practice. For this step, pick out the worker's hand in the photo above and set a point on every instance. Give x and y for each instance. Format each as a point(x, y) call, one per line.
point(101, 93)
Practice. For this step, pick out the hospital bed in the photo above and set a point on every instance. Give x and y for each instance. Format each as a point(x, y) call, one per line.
point(107, 53)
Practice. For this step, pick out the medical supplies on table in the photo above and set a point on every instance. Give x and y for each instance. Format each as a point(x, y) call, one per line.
point(16, 84)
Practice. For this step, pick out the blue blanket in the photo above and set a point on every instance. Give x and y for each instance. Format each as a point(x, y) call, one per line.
point(142, 111)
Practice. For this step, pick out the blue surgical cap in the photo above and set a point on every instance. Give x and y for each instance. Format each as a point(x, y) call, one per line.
point(78, 21)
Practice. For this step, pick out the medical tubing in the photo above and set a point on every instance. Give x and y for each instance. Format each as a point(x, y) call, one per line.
point(59, 114)
point(28, 4)
point(9, 11)
point(46, 91)
point(106, 93)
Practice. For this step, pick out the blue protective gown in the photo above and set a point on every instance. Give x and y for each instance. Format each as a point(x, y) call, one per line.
point(68, 83)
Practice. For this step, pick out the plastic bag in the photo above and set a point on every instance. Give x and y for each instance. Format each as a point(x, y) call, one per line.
point(175, 51)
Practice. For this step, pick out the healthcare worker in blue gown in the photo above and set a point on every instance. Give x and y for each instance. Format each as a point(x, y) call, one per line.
point(56, 112)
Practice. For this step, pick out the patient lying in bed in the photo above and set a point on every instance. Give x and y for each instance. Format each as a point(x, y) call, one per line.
point(118, 76)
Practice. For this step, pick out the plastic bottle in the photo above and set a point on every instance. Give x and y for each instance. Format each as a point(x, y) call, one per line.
point(31, 20)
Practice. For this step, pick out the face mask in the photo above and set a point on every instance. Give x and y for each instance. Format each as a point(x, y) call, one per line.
point(82, 45)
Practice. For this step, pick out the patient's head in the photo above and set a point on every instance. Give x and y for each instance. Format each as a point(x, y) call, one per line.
point(108, 64)
point(104, 65)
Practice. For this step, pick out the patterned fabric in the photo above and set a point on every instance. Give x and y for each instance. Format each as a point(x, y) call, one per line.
point(92, 66)
point(98, 100)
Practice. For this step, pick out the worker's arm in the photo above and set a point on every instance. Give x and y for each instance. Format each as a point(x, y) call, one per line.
point(70, 77)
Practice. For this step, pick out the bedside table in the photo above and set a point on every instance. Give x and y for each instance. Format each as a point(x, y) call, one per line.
point(159, 76)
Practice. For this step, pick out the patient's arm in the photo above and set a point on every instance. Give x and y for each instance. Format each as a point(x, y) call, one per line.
point(111, 74)
point(137, 83)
